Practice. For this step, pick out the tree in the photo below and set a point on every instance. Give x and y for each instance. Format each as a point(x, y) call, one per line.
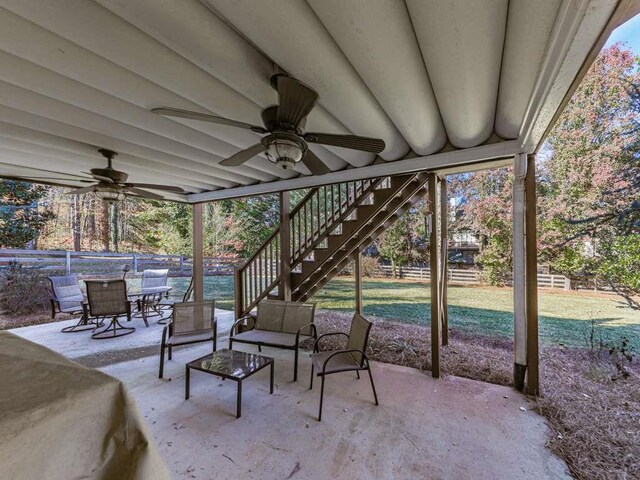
point(396, 244)
point(21, 216)
point(592, 198)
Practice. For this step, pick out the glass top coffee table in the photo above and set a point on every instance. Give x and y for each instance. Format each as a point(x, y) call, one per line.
point(230, 364)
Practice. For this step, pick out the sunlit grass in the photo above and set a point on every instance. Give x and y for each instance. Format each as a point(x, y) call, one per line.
point(565, 317)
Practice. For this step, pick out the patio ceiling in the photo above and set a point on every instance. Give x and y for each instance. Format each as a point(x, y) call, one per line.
point(443, 83)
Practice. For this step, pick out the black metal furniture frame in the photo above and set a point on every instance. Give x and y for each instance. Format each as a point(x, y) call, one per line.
point(113, 307)
point(362, 365)
point(167, 332)
point(193, 365)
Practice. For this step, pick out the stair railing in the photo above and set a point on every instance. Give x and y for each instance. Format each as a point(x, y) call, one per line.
point(315, 216)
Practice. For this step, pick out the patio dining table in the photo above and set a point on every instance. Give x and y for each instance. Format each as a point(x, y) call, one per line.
point(147, 300)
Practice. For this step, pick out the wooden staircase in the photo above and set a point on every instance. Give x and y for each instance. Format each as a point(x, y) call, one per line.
point(326, 229)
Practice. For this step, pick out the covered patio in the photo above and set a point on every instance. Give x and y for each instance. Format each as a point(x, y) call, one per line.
point(445, 87)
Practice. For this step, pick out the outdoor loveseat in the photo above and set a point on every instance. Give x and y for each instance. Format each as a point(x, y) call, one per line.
point(277, 324)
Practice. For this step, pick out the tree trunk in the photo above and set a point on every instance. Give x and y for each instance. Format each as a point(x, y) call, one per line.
point(115, 227)
point(75, 222)
point(105, 229)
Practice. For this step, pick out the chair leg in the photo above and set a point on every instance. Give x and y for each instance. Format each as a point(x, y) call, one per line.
point(260, 348)
point(230, 343)
point(373, 387)
point(321, 397)
point(295, 366)
point(170, 351)
point(358, 374)
point(161, 361)
point(311, 381)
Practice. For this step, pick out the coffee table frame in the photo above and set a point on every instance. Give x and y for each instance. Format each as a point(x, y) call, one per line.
point(189, 366)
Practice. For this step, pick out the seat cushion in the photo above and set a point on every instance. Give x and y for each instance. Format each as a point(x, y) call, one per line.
point(339, 362)
point(271, 338)
point(190, 337)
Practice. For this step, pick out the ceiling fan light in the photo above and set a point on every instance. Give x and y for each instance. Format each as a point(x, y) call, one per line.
point(109, 195)
point(284, 152)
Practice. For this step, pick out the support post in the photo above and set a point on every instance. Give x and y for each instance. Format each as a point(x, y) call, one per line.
point(519, 272)
point(198, 267)
point(357, 271)
point(434, 275)
point(444, 260)
point(285, 247)
point(531, 236)
point(525, 276)
point(68, 263)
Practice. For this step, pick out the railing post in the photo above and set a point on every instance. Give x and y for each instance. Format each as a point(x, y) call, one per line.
point(68, 263)
point(237, 290)
point(357, 271)
point(285, 247)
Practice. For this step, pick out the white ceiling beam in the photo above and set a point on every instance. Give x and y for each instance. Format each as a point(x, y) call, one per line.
point(427, 163)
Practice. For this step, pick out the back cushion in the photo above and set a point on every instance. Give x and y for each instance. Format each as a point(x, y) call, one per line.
point(297, 315)
point(270, 314)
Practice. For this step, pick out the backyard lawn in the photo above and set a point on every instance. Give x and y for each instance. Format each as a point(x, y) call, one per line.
point(565, 317)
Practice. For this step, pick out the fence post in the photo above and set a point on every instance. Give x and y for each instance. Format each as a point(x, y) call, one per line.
point(135, 263)
point(567, 283)
point(181, 263)
point(68, 263)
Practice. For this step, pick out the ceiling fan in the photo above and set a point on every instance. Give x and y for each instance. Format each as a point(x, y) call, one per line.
point(112, 185)
point(286, 141)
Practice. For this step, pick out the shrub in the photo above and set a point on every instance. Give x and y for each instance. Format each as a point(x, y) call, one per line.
point(370, 267)
point(24, 290)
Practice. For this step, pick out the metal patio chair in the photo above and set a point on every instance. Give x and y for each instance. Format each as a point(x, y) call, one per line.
point(191, 322)
point(153, 288)
point(108, 298)
point(67, 297)
point(352, 358)
point(168, 303)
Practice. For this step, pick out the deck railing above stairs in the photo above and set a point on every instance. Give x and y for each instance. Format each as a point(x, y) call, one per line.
point(321, 211)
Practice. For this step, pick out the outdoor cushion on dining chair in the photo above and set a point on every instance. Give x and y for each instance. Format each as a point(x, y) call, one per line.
point(108, 298)
point(67, 297)
point(352, 358)
point(191, 322)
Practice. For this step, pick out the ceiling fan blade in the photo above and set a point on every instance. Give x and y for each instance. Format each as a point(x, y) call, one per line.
point(295, 100)
point(205, 117)
point(100, 178)
point(144, 193)
point(314, 164)
point(78, 191)
point(152, 186)
point(243, 155)
point(354, 142)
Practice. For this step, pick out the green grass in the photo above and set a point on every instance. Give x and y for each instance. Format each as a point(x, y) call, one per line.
point(565, 317)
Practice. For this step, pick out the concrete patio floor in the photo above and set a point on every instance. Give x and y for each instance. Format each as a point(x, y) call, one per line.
point(450, 428)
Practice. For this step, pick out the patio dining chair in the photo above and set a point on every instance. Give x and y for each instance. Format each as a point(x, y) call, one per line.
point(67, 297)
point(168, 303)
point(191, 322)
point(352, 358)
point(108, 298)
point(153, 288)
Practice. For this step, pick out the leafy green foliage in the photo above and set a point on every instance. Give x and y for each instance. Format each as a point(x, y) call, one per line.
point(21, 216)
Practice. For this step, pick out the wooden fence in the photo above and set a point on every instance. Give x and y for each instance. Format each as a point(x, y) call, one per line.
point(67, 262)
point(471, 277)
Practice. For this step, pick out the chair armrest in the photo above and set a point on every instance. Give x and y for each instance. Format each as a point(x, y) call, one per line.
point(350, 350)
point(312, 325)
point(240, 320)
point(315, 345)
